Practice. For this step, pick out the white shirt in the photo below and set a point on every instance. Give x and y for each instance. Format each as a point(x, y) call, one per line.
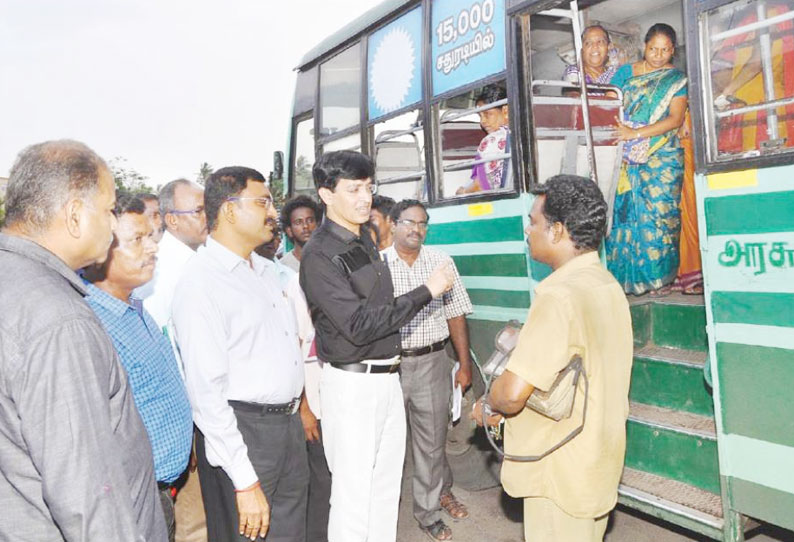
point(313, 366)
point(238, 338)
point(158, 293)
point(282, 273)
point(291, 261)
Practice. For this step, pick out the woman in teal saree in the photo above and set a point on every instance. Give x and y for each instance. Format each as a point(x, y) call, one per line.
point(642, 247)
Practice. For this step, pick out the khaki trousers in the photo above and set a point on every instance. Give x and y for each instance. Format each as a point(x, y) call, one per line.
point(191, 523)
point(544, 521)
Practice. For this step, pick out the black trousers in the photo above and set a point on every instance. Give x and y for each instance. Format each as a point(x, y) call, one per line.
point(277, 449)
point(319, 491)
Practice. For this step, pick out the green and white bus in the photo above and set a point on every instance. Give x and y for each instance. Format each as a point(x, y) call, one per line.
point(711, 430)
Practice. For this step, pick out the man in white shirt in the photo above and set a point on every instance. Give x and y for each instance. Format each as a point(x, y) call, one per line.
point(182, 212)
point(238, 338)
point(182, 209)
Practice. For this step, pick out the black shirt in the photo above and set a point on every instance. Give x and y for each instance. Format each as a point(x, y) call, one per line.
point(351, 297)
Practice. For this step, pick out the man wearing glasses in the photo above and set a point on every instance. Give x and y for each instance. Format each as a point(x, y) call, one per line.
point(425, 367)
point(238, 338)
point(182, 210)
point(357, 321)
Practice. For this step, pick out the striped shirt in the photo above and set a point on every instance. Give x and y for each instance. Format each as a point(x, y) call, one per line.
point(154, 377)
point(430, 324)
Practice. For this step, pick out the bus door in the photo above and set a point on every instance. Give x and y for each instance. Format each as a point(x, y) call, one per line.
point(571, 126)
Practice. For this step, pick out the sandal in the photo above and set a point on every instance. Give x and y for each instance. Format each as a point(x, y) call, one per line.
point(664, 291)
point(695, 289)
point(453, 507)
point(437, 531)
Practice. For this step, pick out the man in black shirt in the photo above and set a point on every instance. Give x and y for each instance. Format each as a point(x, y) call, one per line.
point(357, 321)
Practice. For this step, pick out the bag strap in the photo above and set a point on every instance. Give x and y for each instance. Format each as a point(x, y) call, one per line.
point(563, 442)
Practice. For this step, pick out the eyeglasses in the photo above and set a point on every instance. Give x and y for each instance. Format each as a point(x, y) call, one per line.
point(363, 188)
point(196, 211)
point(264, 201)
point(411, 224)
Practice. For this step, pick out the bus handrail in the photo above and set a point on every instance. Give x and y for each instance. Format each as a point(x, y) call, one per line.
point(402, 178)
point(575, 86)
point(753, 26)
point(388, 135)
point(449, 116)
point(470, 163)
point(755, 107)
point(602, 134)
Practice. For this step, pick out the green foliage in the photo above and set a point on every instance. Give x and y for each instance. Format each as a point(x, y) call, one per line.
point(303, 173)
point(205, 170)
point(277, 191)
point(128, 179)
point(2, 210)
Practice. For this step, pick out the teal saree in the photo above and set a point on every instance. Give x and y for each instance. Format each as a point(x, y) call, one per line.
point(642, 247)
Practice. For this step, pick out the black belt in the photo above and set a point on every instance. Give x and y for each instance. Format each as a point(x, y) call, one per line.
point(370, 368)
point(435, 347)
point(264, 408)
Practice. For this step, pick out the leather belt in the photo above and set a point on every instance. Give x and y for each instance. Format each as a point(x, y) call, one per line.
point(266, 408)
point(435, 347)
point(370, 368)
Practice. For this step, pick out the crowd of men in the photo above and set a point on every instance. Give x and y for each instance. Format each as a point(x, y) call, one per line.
point(156, 347)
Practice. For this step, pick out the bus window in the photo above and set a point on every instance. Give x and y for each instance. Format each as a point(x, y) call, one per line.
point(346, 143)
point(304, 156)
point(475, 142)
point(340, 91)
point(399, 157)
point(305, 89)
point(751, 72)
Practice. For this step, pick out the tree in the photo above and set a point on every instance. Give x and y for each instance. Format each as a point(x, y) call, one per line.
point(205, 170)
point(277, 190)
point(128, 179)
point(303, 173)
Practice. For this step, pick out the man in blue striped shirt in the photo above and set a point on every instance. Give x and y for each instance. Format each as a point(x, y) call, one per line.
point(145, 352)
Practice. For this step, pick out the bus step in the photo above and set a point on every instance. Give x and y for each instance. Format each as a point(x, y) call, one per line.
point(676, 321)
point(676, 445)
point(691, 358)
point(671, 378)
point(676, 502)
point(673, 420)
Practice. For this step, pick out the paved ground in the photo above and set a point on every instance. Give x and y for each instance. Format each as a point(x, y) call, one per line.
point(496, 517)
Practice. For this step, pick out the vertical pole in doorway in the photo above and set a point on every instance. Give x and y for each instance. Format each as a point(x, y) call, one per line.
point(766, 65)
point(588, 131)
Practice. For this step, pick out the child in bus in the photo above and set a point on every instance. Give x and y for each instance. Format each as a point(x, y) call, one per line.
point(490, 175)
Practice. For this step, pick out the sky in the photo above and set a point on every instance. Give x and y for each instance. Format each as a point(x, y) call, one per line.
point(163, 84)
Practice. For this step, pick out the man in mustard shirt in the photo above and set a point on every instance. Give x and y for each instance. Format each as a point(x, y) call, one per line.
point(578, 309)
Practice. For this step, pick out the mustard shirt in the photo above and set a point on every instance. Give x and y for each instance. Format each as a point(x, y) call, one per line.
point(578, 309)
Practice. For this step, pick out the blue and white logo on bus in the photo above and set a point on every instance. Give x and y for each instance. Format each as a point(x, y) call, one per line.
point(394, 61)
point(468, 42)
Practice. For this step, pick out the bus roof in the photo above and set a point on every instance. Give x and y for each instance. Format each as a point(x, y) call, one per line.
point(352, 29)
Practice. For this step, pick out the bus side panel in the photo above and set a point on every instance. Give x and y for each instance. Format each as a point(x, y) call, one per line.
point(747, 243)
point(486, 241)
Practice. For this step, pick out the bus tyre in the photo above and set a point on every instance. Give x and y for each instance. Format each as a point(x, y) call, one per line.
point(475, 466)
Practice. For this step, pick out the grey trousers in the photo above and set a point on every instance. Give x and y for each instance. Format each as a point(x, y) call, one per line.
point(168, 511)
point(277, 449)
point(427, 387)
point(319, 491)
